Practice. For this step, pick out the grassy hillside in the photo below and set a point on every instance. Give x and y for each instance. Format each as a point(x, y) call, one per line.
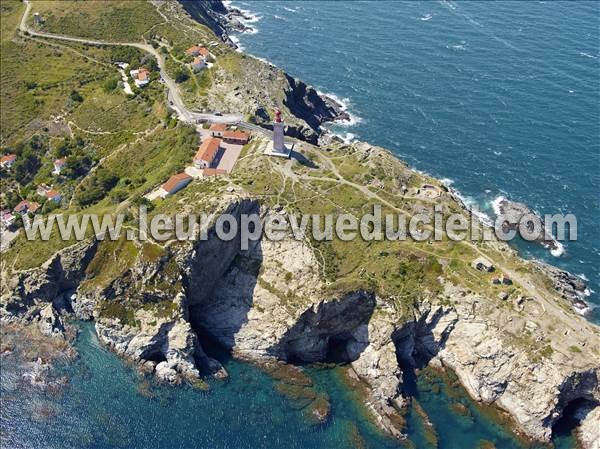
point(119, 21)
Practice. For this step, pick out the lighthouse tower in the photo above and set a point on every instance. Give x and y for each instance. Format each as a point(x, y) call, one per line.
point(278, 143)
point(277, 147)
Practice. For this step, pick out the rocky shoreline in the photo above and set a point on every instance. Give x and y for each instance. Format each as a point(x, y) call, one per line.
point(303, 101)
point(571, 287)
point(242, 311)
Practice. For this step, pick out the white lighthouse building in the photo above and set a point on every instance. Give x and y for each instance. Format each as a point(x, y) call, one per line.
point(277, 147)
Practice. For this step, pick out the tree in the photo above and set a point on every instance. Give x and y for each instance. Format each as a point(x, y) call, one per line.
point(111, 84)
point(76, 96)
point(76, 166)
point(26, 166)
point(49, 206)
point(181, 75)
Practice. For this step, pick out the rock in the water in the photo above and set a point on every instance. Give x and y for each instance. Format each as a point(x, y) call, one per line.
point(50, 322)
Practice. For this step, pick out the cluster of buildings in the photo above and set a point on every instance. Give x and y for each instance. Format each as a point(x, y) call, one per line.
point(218, 143)
point(7, 218)
point(483, 264)
point(200, 55)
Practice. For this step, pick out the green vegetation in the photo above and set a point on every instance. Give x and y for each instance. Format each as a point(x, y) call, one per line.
point(119, 310)
point(112, 259)
point(97, 187)
point(117, 21)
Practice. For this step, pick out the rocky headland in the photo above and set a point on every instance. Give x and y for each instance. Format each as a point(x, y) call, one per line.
point(529, 356)
point(382, 309)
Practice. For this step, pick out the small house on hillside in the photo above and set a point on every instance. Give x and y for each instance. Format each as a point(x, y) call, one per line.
point(198, 63)
point(49, 193)
point(59, 165)
point(8, 160)
point(217, 129)
point(43, 189)
point(25, 207)
point(236, 137)
point(174, 184)
point(207, 152)
point(482, 264)
point(141, 76)
point(197, 50)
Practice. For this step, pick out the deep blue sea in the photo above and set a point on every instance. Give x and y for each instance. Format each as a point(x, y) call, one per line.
point(498, 98)
point(502, 98)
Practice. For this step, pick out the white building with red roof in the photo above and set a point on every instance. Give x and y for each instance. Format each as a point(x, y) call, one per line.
point(141, 76)
point(49, 193)
point(207, 152)
point(198, 63)
point(217, 129)
point(8, 160)
point(59, 165)
point(174, 184)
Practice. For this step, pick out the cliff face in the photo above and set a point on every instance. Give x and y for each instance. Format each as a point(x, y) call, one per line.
point(261, 88)
point(210, 13)
point(247, 301)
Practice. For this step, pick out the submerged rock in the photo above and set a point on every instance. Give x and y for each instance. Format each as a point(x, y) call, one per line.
point(318, 411)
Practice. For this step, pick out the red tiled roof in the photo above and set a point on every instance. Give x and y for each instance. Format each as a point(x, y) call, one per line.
point(236, 135)
point(26, 206)
point(193, 50)
point(51, 194)
point(143, 74)
point(208, 150)
point(197, 49)
point(198, 60)
point(8, 158)
point(218, 127)
point(60, 162)
point(174, 181)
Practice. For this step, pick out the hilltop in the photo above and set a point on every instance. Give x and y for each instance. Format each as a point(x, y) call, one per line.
point(382, 308)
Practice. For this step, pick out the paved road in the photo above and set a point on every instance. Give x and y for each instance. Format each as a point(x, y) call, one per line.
point(175, 100)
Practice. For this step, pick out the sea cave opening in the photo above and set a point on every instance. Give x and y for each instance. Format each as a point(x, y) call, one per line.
point(572, 415)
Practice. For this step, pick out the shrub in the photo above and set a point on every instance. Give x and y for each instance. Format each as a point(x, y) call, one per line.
point(76, 96)
point(181, 76)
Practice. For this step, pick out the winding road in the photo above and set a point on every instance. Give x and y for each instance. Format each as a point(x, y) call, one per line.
point(174, 96)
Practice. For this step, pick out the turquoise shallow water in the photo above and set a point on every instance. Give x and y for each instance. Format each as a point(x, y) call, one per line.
point(502, 98)
point(101, 407)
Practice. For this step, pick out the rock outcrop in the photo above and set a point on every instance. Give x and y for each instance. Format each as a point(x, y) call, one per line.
point(520, 217)
point(570, 287)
